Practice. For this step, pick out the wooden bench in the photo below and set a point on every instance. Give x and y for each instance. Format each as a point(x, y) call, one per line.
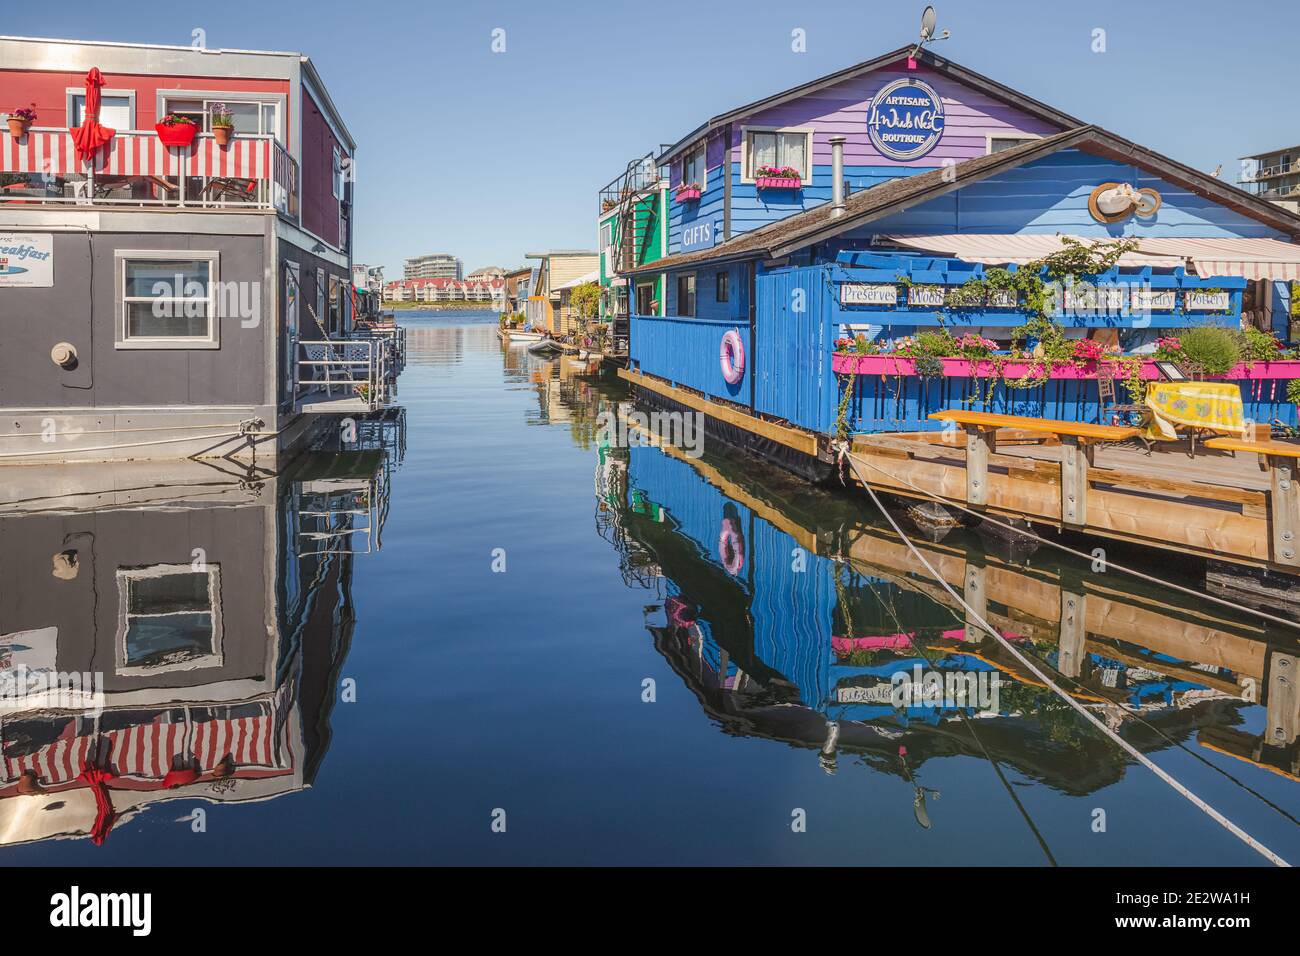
point(1078, 439)
point(1279, 459)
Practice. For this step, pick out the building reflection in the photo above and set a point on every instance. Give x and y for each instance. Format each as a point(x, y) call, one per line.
point(203, 615)
point(788, 614)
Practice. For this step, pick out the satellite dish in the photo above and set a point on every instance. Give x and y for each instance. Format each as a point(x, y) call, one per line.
point(927, 24)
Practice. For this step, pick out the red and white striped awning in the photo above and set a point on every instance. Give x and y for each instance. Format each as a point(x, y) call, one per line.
point(1251, 258)
point(147, 751)
point(136, 154)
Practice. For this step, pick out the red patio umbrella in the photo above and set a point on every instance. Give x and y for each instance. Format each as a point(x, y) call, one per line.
point(89, 136)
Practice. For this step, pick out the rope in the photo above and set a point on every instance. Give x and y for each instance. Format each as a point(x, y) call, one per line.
point(1150, 579)
point(1047, 681)
point(137, 444)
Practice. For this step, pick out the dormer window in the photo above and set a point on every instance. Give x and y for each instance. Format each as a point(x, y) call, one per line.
point(693, 170)
point(778, 149)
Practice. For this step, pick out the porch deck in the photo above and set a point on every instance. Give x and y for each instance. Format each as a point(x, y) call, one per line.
point(1214, 504)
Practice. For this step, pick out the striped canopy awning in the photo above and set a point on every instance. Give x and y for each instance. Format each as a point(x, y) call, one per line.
point(1250, 258)
point(136, 153)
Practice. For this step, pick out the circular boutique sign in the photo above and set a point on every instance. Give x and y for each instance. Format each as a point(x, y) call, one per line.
point(906, 119)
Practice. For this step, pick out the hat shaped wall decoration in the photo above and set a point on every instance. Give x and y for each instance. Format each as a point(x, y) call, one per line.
point(1115, 202)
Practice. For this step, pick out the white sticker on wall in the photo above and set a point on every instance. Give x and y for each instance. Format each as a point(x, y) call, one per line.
point(26, 260)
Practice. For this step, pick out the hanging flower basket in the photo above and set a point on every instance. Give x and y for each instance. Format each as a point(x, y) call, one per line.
point(777, 177)
point(223, 134)
point(176, 131)
point(20, 121)
point(688, 193)
point(223, 124)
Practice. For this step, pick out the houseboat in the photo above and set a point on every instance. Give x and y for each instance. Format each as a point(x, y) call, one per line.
point(543, 309)
point(633, 232)
point(176, 255)
point(905, 244)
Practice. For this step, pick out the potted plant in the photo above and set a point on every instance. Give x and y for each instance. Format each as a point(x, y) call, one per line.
point(689, 192)
point(777, 177)
point(1293, 392)
point(176, 130)
point(21, 120)
point(223, 124)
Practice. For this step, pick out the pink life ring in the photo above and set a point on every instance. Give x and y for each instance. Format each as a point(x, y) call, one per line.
point(730, 547)
point(732, 357)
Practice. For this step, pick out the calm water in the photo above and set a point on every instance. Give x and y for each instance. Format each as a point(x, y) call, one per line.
point(383, 692)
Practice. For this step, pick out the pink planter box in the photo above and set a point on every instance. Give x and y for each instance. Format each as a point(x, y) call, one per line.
point(777, 182)
point(688, 195)
point(962, 368)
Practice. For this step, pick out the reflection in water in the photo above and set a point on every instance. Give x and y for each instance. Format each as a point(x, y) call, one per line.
point(792, 617)
point(202, 616)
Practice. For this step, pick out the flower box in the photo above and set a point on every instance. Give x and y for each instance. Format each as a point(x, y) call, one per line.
point(176, 134)
point(688, 194)
point(778, 182)
point(844, 362)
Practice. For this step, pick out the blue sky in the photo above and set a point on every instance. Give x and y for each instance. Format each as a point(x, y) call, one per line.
point(491, 155)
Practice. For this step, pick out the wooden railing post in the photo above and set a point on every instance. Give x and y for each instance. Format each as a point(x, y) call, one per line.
point(1076, 456)
point(976, 597)
point(980, 444)
point(1285, 502)
point(1283, 703)
point(1073, 632)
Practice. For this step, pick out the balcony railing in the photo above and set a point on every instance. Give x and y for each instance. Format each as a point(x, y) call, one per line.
point(135, 169)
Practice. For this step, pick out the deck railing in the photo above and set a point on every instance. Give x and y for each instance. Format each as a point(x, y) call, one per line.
point(135, 169)
point(685, 351)
point(345, 369)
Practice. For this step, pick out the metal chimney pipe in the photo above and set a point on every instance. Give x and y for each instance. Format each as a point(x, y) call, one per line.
point(837, 176)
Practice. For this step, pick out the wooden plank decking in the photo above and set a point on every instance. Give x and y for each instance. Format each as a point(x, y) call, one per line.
point(1215, 505)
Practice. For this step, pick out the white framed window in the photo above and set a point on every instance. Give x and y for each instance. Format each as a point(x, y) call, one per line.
point(252, 114)
point(168, 619)
point(116, 108)
point(167, 299)
point(693, 170)
point(998, 143)
point(337, 179)
point(777, 146)
point(606, 234)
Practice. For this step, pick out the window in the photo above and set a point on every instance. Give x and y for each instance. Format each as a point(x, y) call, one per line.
point(338, 174)
point(778, 147)
point(645, 299)
point(319, 317)
point(116, 108)
point(335, 324)
point(686, 295)
point(169, 619)
point(693, 170)
point(167, 300)
point(724, 287)
point(999, 143)
point(252, 116)
point(606, 234)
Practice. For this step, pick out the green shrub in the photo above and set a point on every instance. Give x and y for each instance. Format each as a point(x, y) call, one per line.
point(1293, 391)
point(1211, 349)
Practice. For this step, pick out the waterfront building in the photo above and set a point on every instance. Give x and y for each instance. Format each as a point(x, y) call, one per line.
point(857, 203)
point(489, 291)
point(175, 288)
point(516, 291)
point(436, 265)
point(554, 269)
point(1274, 175)
point(633, 232)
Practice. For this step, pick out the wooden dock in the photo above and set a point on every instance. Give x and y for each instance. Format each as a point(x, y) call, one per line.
point(1218, 504)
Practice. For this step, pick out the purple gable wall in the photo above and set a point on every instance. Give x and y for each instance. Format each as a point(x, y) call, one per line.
point(969, 117)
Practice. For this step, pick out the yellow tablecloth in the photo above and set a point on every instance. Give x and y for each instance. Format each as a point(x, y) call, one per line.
point(1213, 405)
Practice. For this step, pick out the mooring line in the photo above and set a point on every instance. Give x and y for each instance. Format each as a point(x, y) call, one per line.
point(1151, 579)
point(1136, 754)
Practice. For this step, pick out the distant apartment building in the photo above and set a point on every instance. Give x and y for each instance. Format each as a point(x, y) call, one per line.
point(488, 272)
point(487, 291)
point(437, 265)
point(1274, 175)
